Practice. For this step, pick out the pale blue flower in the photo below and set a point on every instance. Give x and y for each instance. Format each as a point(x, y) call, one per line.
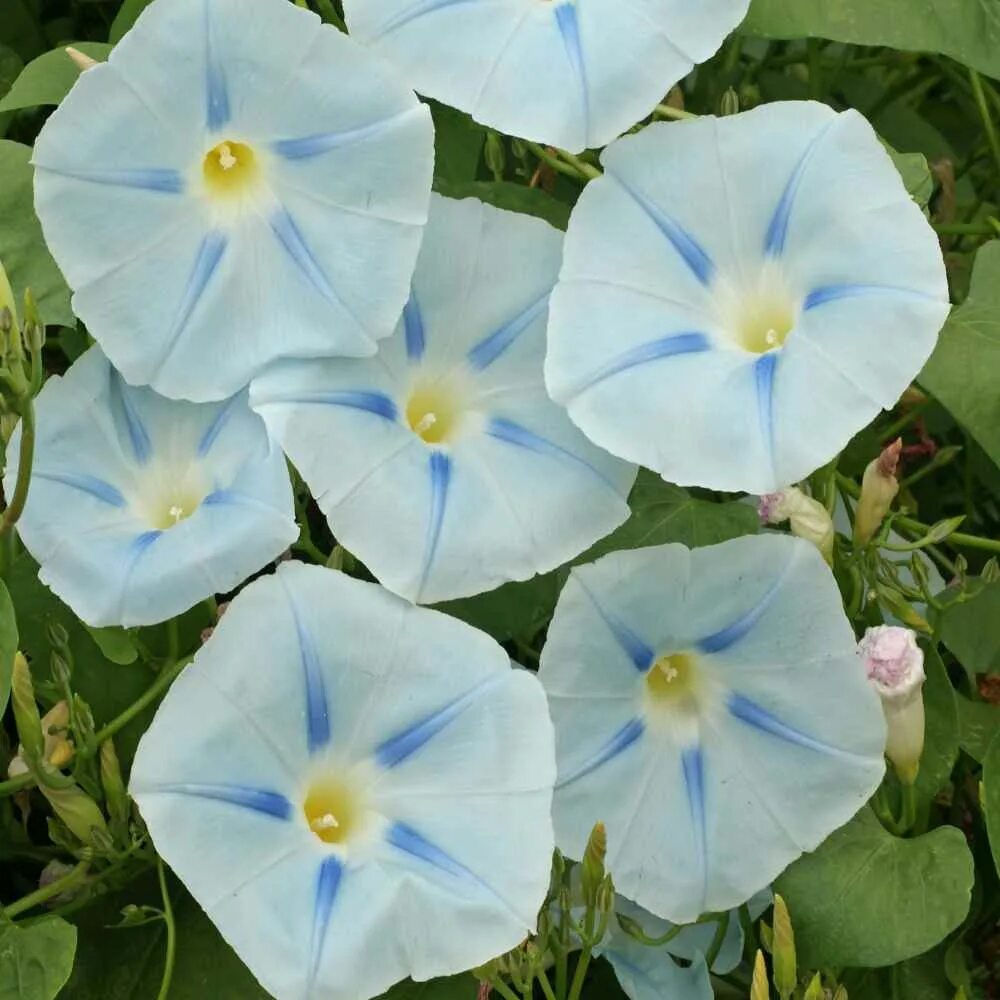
point(442, 463)
point(140, 506)
point(353, 788)
point(742, 295)
point(237, 183)
point(711, 711)
point(570, 73)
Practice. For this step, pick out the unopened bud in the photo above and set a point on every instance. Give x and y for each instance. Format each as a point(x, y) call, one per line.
point(26, 717)
point(894, 664)
point(62, 754)
point(991, 571)
point(730, 103)
point(785, 973)
point(495, 154)
point(61, 673)
point(8, 307)
point(80, 813)
point(807, 517)
point(841, 993)
point(879, 487)
point(81, 60)
point(815, 991)
point(54, 871)
point(111, 782)
point(759, 989)
point(57, 635)
point(34, 329)
point(592, 873)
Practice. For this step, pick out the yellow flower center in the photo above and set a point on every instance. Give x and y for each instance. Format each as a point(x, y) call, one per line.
point(332, 809)
point(167, 507)
point(230, 168)
point(671, 678)
point(434, 411)
point(764, 322)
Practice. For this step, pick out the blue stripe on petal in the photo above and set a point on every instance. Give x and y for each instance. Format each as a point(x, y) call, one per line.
point(763, 371)
point(638, 650)
point(693, 764)
point(731, 634)
point(413, 327)
point(258, 800)
point(833, 293)
point(777, 230)
point(404, 744)
point(97, 488)
point(376, 403)
point(513, 433)
point(138, 436)
point(328, 880)
point(569, 28)
point(418, 9)
point(665, 347)
point(690, 250)
point(291, 238)
point(308, 146)
point(215, 428)
point(317, 706)
point(492, 346)
point(742, 708)
point(210, 253)
point(618, 744)
point(159, 179)
point(405, 838)
point(217, 113)
point(440, 476)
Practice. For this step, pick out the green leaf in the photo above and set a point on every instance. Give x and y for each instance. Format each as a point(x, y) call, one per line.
point(10, 69)
point(978, 725)
point(36, 961)
point(22, 248)
point(941, 729)
point(916, 174)
point(116, 644)
point(991, 797)
point(127, 15)
point(454, 988)
point(966, 30)
point(968, 629)
point(921, 978)
point(48, 79)
point(964, 370)
point(8, 644)
point(867, 898)
point(20, 28)
point(513, 197)
point(458, 144)
point(661, 513)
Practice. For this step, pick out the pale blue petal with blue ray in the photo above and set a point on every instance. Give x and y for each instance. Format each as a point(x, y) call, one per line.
point(758, 237)
point(450, 858)
point(573, 74)
point(779, 736)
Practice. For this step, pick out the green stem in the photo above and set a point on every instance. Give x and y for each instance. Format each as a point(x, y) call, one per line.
point(965, 229)
point(25, 459)
point(168, 919)
point(502, 989)
point(173, 640)
point(718, 940)
point(14, 785)
point(900, 424)
point(557, 164)
point(543, 981)
point(587, 169)
point(580, 975)
point(984, 112)
point(50, 891)
point(306, 545)
point(675, 114)
point(908, 815)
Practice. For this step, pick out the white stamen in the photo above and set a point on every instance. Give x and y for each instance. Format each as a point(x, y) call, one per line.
point(771, 337)
point(670, 672)
point(176, 513)
point(426, 422)
point(226, 159)
point(325, 822)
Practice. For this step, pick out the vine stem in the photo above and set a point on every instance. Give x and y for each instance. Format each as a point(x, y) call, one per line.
point(580, 975)
point(25, 460)
point(168, 920)
point(564, 163)
point(47, 892)
point(502, 989)
point(979, 94)
point(676, 114)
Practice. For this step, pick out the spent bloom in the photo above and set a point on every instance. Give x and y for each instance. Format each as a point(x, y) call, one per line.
point(807, 517)
point(237, 183)
point(354, 789)
point(570, 73)
point(140, 506)
point(733, 321)
point(703, 700)
point(894, 664)
point(442, 463)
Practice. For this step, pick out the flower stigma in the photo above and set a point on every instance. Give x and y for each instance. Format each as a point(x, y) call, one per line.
point(333, 810)
point(671, 678)
point(230, 169)
point(435, 411)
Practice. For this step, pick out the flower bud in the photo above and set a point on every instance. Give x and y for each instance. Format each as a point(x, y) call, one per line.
point(79, 812)
point(894, 664)
point(7, 301)
point(26, 718)
point(759, 989)
point(81, 60)
point(730, 103)
point(785, 973)
point(879, 487)
point(111, 782)
point(815, 991)
point(808, 518)
point(593, 864)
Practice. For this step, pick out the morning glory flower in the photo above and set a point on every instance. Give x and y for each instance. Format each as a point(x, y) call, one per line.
point(570, 73)
point(442, 463)
point(237, 183)
point(704, 701)
point(354, 789)
point(741, 295)
point(140, 506)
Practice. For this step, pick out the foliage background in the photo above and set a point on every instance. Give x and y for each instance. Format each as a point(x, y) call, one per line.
point(912, 918)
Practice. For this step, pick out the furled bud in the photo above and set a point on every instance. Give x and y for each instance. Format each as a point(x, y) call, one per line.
point(759, 989)
point(894, 664)
point(592, 870)
point(7, 300)
point(879, 487)
point(29, 724)
point(82, 61)
point(808, 518)
point(111, 781)
point(815, 991)
point(785, 973)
